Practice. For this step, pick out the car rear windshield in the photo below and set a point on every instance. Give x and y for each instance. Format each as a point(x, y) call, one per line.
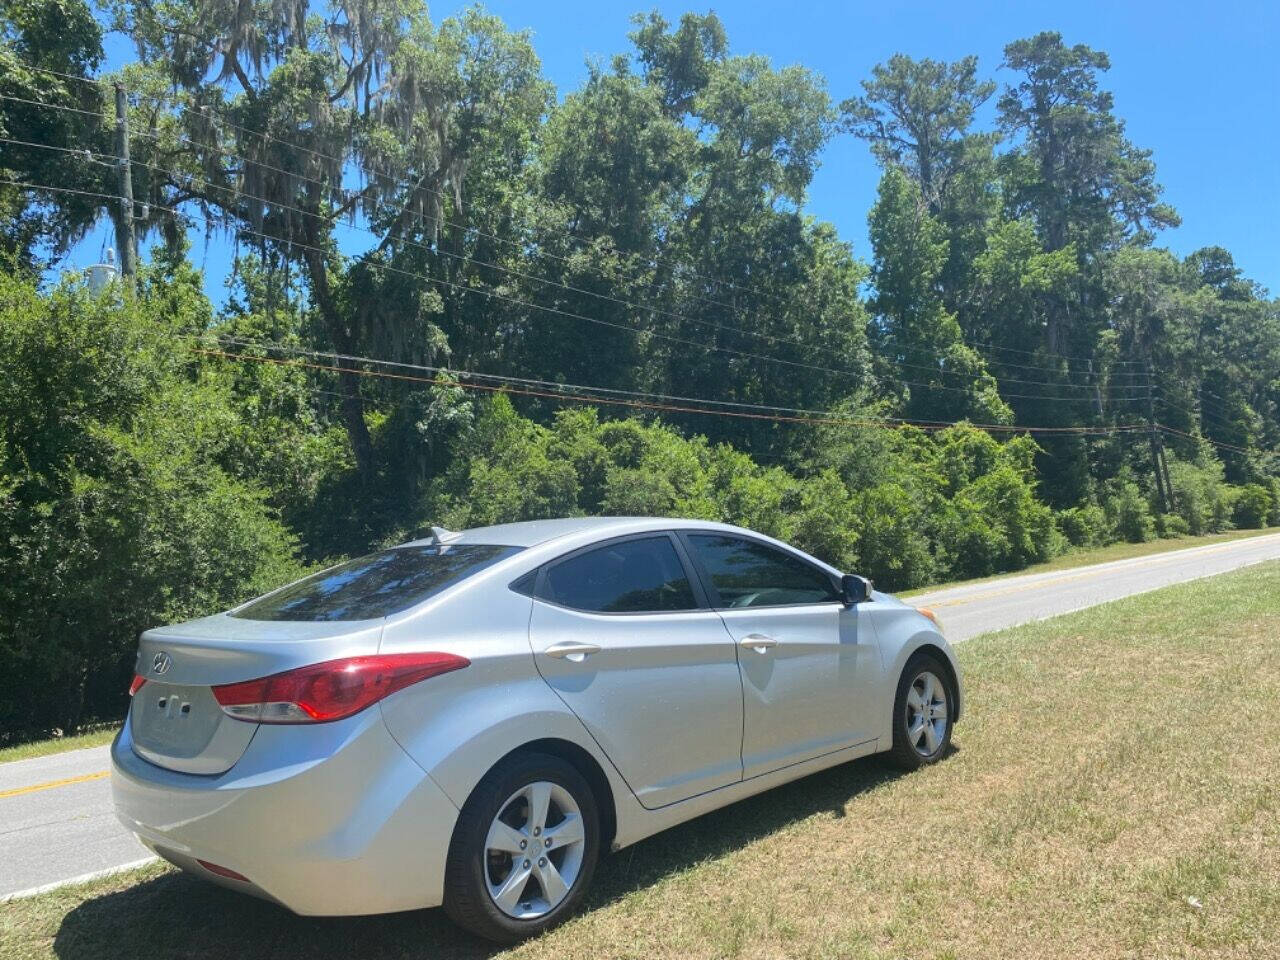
point(377, 585)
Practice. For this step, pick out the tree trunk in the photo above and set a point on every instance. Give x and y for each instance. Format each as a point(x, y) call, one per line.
point(352, 403)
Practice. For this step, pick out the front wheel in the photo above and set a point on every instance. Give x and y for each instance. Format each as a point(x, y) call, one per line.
point(524, 849)
point(922, 713)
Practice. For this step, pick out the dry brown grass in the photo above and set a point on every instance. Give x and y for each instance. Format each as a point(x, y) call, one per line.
point(1115, 793)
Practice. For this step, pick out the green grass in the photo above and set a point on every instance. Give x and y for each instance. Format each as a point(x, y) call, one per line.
point(1083, 557)
point(1115, 792)
point(41, 748)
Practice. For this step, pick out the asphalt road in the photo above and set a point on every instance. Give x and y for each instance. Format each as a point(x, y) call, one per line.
point(56, 822)
point(975, 608)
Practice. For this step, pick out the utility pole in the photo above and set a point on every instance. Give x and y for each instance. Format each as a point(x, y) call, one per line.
point(126, 240)
point(1164, 466)
point(1097, 391)
point(1163, 487)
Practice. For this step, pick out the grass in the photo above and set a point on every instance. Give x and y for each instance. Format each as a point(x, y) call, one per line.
point(42, 748)
point(1115, 792)
point(1083, 557)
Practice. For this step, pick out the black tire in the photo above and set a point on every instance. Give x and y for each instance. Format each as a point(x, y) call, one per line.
point(904, 754)
point(466, 892)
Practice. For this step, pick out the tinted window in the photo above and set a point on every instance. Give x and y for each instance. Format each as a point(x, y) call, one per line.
point(632, 576)
point(749, 574)
point(377, 585)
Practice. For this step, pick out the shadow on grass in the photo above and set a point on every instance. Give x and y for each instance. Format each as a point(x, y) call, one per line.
point(177, 916)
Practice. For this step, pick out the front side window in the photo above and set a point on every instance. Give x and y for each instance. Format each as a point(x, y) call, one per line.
point(750, 574)
point(377, 585)
point(631, 576)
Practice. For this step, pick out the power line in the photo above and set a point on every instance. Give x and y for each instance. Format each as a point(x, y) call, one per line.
point(550, 384)
point(445, 377)
point(1045, 383)
point(1203, 439)
point(996, 346)
point(439, 252)
point(1110, 374)
point(543, 253)
point(441, 370)
point(556, 311)
point(332, 219)
point(202, 110)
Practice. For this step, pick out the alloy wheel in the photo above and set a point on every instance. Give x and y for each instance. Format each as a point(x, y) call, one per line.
point(926, 713)
point(533, 851)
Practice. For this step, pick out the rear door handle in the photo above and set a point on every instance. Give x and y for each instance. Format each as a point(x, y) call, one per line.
point(571, 650)
point(757, 642)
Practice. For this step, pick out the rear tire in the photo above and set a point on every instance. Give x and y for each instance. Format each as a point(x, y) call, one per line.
point(524, 849)
point(923, 712)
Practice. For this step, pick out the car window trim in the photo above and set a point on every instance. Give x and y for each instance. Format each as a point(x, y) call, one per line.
point(702, 601)
point(709, 587)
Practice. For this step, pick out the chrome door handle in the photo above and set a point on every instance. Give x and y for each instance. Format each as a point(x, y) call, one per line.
point(757, 642)
point(571, 650)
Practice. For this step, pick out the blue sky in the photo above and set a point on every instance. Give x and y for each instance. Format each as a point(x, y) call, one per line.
point(1197, 83)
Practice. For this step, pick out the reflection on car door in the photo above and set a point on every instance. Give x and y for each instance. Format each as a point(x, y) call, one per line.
point(807, 663)
point(622, 633)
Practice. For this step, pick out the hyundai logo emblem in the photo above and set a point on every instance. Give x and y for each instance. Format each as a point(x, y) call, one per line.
point(161, 663)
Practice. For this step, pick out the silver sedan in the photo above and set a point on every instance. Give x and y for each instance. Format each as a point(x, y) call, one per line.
point(472, 719)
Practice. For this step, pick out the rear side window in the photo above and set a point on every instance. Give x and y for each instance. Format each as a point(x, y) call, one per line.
point(631, 576)
point(750, 574)
point(377, 585)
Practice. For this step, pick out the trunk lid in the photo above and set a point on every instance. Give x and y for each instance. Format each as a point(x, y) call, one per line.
point(176, 722)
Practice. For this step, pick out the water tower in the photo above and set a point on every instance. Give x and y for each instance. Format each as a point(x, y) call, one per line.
point(100, 275)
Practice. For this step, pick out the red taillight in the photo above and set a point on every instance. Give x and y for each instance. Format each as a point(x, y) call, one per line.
point(332, 690)
point(223, 871)
point(138, 681)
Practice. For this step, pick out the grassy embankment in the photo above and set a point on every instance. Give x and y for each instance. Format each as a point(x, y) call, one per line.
point(1115, 792)
point(40, 748)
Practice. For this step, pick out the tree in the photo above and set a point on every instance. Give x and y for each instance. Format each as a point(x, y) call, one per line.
point(918, 340)
point(917, 114)
point(1073, 170)
point(298, 104)
point(115, 514)
point(679, 62)
point(671, 184)
point(63, 112)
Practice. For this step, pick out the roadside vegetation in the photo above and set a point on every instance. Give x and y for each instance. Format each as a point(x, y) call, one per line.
point(1101, 802)
point(630, 265)
point(42, 748)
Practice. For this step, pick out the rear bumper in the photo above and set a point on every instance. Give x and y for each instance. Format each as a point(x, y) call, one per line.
point(331, 819)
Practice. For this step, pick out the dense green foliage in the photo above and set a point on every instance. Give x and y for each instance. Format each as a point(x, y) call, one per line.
point(646, 235)
point(115, 513)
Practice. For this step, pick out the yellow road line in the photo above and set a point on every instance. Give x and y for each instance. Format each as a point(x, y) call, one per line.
point(19, 791)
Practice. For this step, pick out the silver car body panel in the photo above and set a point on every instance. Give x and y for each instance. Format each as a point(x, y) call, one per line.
point(811, 693)
point(673, 676)
point(327, 819)
point(356, 816)
point(175, 721)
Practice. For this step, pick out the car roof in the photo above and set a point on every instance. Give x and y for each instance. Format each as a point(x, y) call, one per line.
point(530, 533)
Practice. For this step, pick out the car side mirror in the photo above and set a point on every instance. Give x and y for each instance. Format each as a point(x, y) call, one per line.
point(856, 589)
